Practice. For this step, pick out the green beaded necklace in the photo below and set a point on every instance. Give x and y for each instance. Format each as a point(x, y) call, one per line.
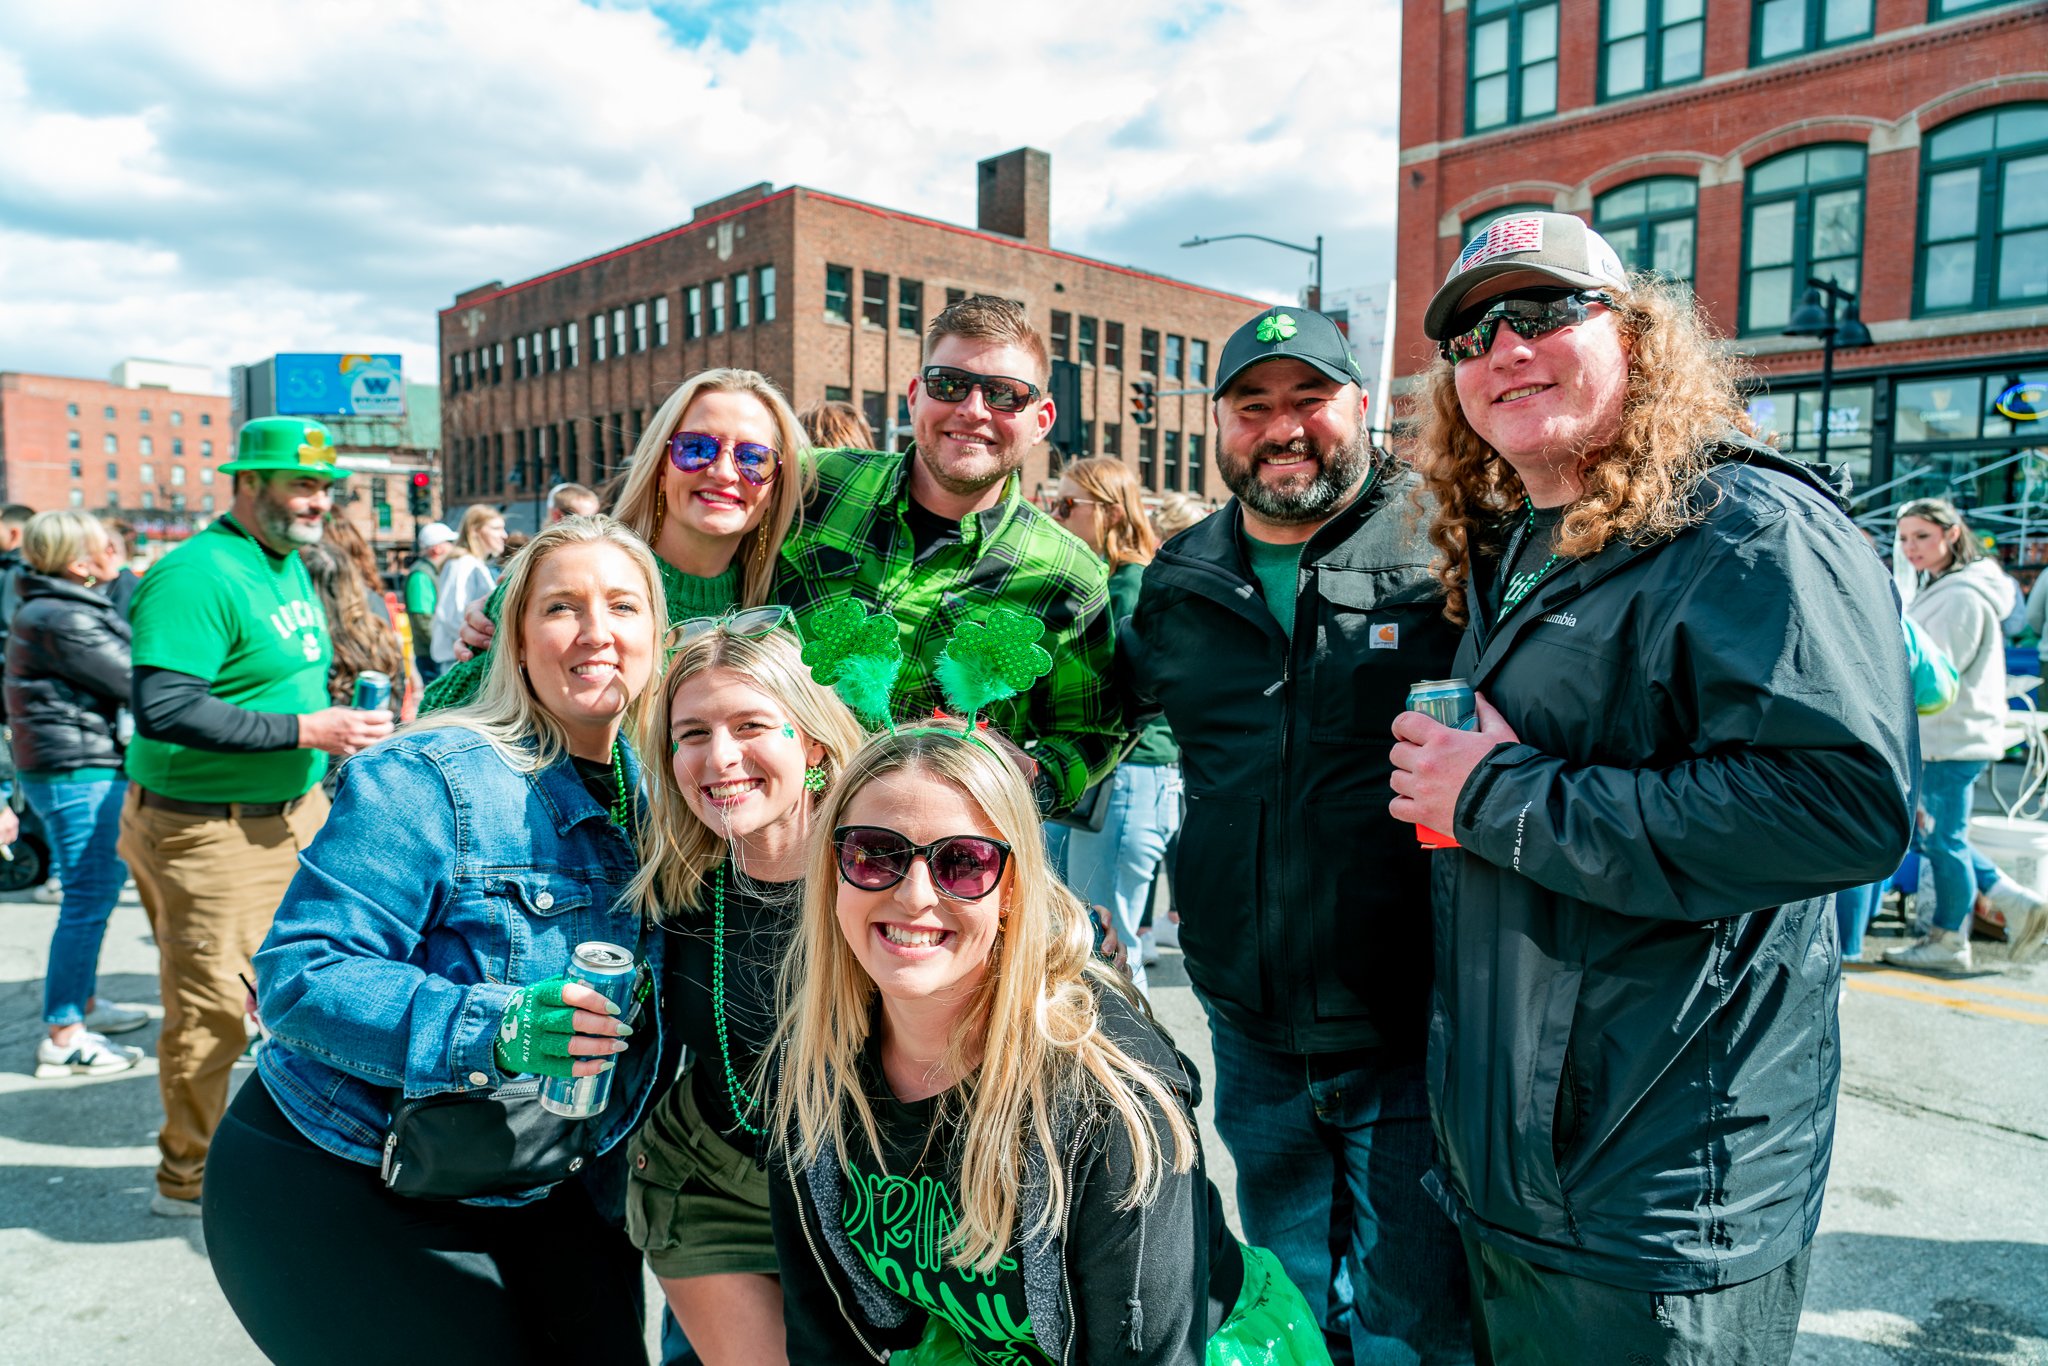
point(620, 811)
point(1522, 585)
point(743, 1104)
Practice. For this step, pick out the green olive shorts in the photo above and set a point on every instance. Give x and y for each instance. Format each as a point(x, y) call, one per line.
point(695, 1205)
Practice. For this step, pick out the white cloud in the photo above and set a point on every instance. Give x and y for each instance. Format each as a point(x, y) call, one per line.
point(218, 181)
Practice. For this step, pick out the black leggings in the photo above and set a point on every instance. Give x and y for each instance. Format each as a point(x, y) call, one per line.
point(322, 1264)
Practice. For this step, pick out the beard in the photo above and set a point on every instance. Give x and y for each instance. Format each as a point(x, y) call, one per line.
point(1303, 498)
point(277, 528)
point(1005, 463)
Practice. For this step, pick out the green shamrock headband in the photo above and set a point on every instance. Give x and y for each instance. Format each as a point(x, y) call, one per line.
point(859, 656)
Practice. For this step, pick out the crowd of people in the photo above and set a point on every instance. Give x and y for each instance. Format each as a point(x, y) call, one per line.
point(864, 765)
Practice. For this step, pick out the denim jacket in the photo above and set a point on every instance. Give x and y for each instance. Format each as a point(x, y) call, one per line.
point(443, 880)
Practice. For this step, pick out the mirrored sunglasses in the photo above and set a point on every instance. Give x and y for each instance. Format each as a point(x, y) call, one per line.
point(1002, 393)
point(753, 462)
point(1528, 318)
point(745, 621)
point(1063, 507)
point(875, 858)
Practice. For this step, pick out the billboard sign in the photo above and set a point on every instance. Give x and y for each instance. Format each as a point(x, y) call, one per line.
point(339, 386)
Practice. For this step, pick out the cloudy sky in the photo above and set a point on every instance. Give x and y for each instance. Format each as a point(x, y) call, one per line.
point(213, 181)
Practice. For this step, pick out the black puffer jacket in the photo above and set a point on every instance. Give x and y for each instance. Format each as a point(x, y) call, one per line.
point(1303, 902)
point(67, 677)
point(1633, 1052)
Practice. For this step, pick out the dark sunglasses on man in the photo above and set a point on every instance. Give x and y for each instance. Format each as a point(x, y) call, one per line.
point(1002, 393)
point(875, 858)
point(691, 452)
point(1530, 315)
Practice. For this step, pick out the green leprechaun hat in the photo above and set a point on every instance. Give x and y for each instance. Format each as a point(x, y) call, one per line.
point(296, 444)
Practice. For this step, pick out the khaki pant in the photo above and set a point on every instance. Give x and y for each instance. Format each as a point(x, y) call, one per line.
point(210, 887)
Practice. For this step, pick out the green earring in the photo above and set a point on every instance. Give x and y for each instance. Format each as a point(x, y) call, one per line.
point(814, 778)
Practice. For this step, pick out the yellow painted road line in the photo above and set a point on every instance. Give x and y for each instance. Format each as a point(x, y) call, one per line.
point(1954, 1002)
point(1956, 983)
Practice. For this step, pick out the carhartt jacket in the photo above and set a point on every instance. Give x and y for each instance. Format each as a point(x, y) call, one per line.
point(1633, 1050)
point(1304, 905)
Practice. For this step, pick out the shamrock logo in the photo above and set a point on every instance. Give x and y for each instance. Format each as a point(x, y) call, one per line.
point(856, 655)
point(1276, 327)
point(992, 659)
point(315, 450)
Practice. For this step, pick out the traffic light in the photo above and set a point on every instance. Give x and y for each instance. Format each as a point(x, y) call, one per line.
point(419, 498)
point(1143, 402)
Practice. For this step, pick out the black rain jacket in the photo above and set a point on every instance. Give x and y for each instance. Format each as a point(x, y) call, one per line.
point(1633, 1050)
point(67, 677)
point(1304, 905)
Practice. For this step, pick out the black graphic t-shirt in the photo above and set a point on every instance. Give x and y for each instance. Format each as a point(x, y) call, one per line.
point(759, 919)
point(1533, 549)
point(899, 1214)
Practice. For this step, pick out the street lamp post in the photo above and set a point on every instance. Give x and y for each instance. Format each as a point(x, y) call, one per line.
point(1315, 290)
point(1815, 318)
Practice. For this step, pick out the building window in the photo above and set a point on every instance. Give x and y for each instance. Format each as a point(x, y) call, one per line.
point(177, 445)
point(1647, 44)
point(71, 410)
point(1113, 345)
point(742, 300)
point(206, 503)
point(146, 473)
point(205, 419)
point(519, 358)
point(1087, 446)
point(1198, 361)
point(766, 293)
point(875, 408)
point(538, 338)
point(573, 329)
point(1173, 353)
point(143, 415)
point(206, 474)
point(206, 450)
point(839, 294)
point(177, 474)
point(1112, 438)
point(838, 393)
point(693, 312)
point(78, 498)
point(148, 501)
point(1513, 61)
point(1805, 218)
point(78, 469)
point(618, 333)
point(1785, 28)
point(718, 306)
point(177, 419)
point(71, 441)
point(1148, 352)
point(1650, 224)
point(954, 296)
point(498, 363)
point(555, 348)
point(874, 299)
point(1194, 462)
point(640, 327)
point(1791, 419)
point(1062, 334)
point(661, 320)
point(1172, 440)
point(113, 471)
point(110, 443)
point(1984, 210)
point(910, 305)
point(598, 347)
point(108, 412)
point(145, 446)
point(1086, 342)
point(1942, 9)
point(1148, 452)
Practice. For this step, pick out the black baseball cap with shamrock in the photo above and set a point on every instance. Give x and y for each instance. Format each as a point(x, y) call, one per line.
point(1288, 333)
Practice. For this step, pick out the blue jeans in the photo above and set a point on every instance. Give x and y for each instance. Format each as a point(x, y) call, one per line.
point(1854, 910)
point(1114, 866)
point(1945, 787)
point(83, 820)
point(1330, 1151)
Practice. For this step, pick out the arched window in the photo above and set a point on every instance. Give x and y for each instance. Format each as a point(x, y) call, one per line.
point(1651, 224)
point(1984, 211)
point(1480, 222)
point(1804, 218)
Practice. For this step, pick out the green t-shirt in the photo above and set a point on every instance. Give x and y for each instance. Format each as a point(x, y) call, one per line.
point(223, 608)
point(1278, 570)
point(1156, 744)
point(422, 590)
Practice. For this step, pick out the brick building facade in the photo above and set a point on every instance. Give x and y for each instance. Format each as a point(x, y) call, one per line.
point(1897, 147)
point(554, 378)
point(148, 453)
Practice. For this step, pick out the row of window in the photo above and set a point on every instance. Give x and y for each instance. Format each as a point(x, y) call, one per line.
point(111, 444)
point(113, 503)
point(177, 418)
point(1151, 441)
point(146, 473)
point(1982, 230)
point(874, 299)
point(1644, 45)
point(1186, 358)
point(622, 331)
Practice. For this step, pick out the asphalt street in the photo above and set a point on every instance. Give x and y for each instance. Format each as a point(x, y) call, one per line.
point(1933, 1247)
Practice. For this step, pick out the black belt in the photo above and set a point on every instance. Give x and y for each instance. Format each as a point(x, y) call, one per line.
point(220, 811)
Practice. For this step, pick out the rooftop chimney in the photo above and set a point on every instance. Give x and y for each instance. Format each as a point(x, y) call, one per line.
point(1016, 196)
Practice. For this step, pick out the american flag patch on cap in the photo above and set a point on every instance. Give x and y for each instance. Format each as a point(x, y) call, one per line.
point(1509, 234)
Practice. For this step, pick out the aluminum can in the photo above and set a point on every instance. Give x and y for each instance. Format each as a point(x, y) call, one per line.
point(373, 691)
point(1448, 700)
point(611, 971)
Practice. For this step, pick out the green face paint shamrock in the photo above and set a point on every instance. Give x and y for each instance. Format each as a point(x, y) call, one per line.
point(990, 660)
point(856, 655)
point(1276, 327)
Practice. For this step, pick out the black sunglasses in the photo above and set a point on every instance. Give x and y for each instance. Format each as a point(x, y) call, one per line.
point(875, 858)
point(1529, 318)
point(694, 451)
point(1063, 506)
point(1002, 393)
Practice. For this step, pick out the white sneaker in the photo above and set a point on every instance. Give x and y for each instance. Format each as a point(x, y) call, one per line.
point(88, 1055)
point(1148, 948)
point(1940, 951)
point(50, 893)
point(170, 1207)
point(111, 1017)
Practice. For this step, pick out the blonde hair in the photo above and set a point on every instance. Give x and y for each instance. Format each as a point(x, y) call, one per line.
point(506, 712)
point(1033, 1026)
point(1109, 481)
point(474, 518)
point(678, 852)
point(52, 540)
point(1682, 397)
point(1176, 513)
point(837, 425)
point(641, 504)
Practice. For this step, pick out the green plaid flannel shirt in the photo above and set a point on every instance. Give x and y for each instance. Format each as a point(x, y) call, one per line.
point(855, 538)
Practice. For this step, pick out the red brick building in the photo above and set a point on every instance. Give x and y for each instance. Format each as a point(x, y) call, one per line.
point(147, 452)
point(554, 377)
point(1896, 147)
